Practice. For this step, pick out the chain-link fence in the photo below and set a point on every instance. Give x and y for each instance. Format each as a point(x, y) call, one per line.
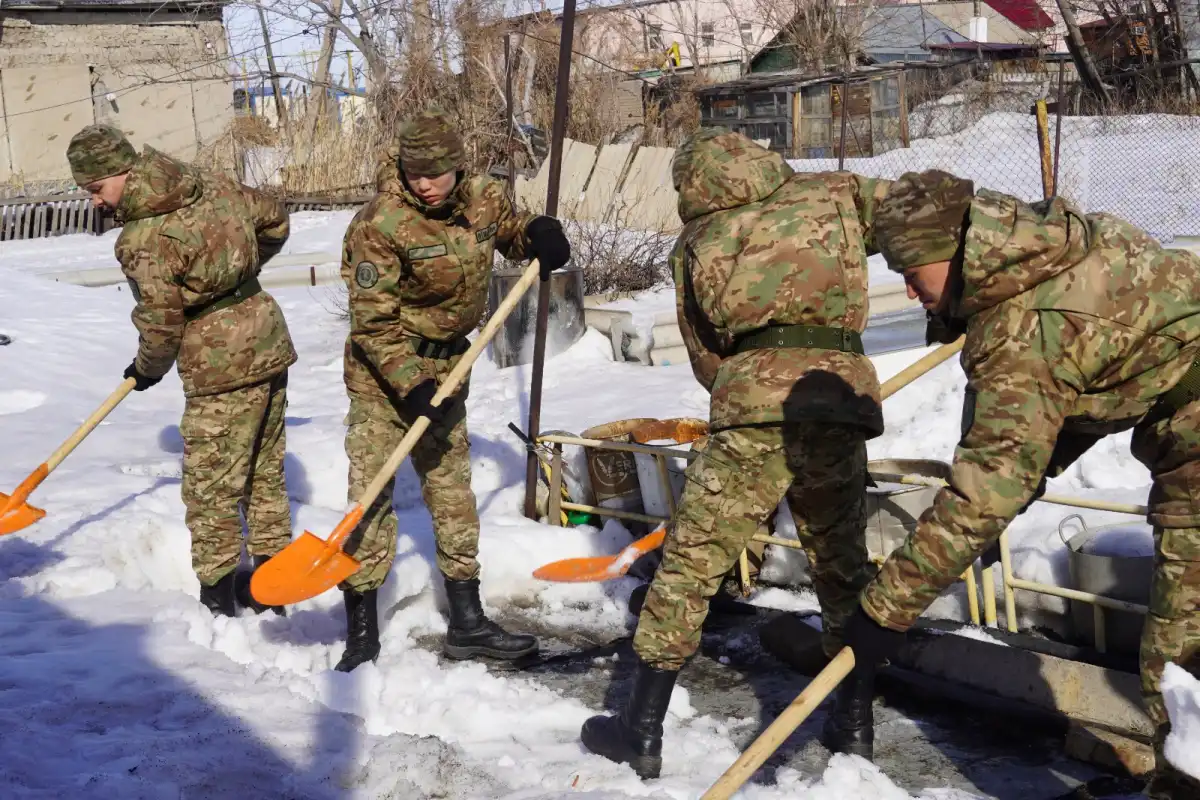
point(1142, 167)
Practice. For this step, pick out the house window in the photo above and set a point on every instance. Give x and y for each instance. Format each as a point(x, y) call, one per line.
point(816, 123)
point(760, 105)
point(885, 115)
point(747, 33)
point(707, 34)
point(654, 36)
point(721, 108)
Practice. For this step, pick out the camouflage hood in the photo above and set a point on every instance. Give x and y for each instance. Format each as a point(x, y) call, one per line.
point(1012, 246)
point(157, 185)
point(716, 170)
point(389, 181)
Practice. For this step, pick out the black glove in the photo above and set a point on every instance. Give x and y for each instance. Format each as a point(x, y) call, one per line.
point(547, 244)
point(143, 383)
point(419, 400)
point(872, 643)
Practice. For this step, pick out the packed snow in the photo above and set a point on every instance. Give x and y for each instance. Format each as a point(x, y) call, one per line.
point(117, 682)
point(1181, 691)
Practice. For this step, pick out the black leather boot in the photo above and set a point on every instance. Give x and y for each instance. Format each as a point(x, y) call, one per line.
point(471, 634)
point(362, 629)
point(219, 598)
point(850, 727)
point(244, 596)
point(634, 737)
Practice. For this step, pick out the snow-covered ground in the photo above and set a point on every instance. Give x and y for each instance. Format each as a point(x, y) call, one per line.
point(1098, 155)
point(115, 681)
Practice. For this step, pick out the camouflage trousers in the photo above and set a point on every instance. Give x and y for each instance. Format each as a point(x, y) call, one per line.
point(233, 447)
point(731, 491)
point(1170, 448)
point(374, 427)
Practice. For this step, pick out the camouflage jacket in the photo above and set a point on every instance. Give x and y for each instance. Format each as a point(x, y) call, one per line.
point(190, 236)
point(764, 246)
point(414, 272)
point(1075, 325)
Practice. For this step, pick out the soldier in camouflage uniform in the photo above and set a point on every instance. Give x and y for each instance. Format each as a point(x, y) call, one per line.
point(1077, 326)
point(771, 291)
point(417, 261)
point(192, 245)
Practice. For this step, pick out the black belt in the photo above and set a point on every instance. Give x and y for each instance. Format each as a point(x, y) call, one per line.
point(429, 348)
point(816, 336)
point(244, 290)
point(1185, 391)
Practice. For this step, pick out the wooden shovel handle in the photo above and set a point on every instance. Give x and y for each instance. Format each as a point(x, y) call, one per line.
point(448, 387)
point(90, 423)
point(791, 718)
point(918, 368)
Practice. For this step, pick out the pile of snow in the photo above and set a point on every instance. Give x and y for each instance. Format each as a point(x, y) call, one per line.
point(1181, 692)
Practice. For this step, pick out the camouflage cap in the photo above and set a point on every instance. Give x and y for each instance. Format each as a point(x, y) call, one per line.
point(99, 151)
point(920, 220)
point(430, 144)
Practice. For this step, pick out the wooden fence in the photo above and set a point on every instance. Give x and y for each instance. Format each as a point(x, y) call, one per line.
point(617, 184)
point(51, 215)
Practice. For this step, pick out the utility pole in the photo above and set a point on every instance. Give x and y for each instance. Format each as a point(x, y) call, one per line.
point(280, 108)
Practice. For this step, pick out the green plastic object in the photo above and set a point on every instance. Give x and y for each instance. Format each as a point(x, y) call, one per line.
point(583, 518)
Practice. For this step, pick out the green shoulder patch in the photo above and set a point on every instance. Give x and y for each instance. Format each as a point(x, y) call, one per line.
point(366, 275)
point(429, 251)
point(483, 234)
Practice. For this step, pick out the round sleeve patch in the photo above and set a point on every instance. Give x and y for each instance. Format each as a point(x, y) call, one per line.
point(366, 275)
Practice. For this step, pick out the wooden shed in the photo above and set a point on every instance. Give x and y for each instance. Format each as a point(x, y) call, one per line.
point(801, 114)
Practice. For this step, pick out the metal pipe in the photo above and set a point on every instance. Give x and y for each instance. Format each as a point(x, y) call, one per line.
point(1010, 599)
point(631, 515)
point(989, 597)
point(843, 104)
point(1062, 66)
point(558, 131)
point(1061, 500)
point(972, 594)
point(554, 501)
point(600, 444)
point(664, 478)
point(1075, 594)
point(508, 110)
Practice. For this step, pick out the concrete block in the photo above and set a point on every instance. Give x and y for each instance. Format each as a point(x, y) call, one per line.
point(1109, 750)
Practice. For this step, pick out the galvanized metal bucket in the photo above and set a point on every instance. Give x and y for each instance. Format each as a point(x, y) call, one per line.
point(1122, 577)
point(514, 343)
point(894, 508)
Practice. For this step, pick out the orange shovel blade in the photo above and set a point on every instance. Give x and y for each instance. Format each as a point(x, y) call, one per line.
point(593, 569)
point(15, 516)
point(305, 568)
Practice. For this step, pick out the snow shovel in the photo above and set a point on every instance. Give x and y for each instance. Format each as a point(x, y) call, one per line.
point(601, 568)
point(309, 566)
point(791, 718)
point(606, 568)
point(15, 513)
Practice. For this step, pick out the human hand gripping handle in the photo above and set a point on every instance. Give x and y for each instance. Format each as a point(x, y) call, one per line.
point(141, 382)
point(548, 244)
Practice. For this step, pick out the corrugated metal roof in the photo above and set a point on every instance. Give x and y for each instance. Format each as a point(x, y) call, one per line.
point(121, 5)
point(1025, 14)
point(792, 78)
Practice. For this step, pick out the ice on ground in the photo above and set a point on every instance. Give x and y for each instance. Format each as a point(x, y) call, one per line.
point(19, 402)
point(1181, 692)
